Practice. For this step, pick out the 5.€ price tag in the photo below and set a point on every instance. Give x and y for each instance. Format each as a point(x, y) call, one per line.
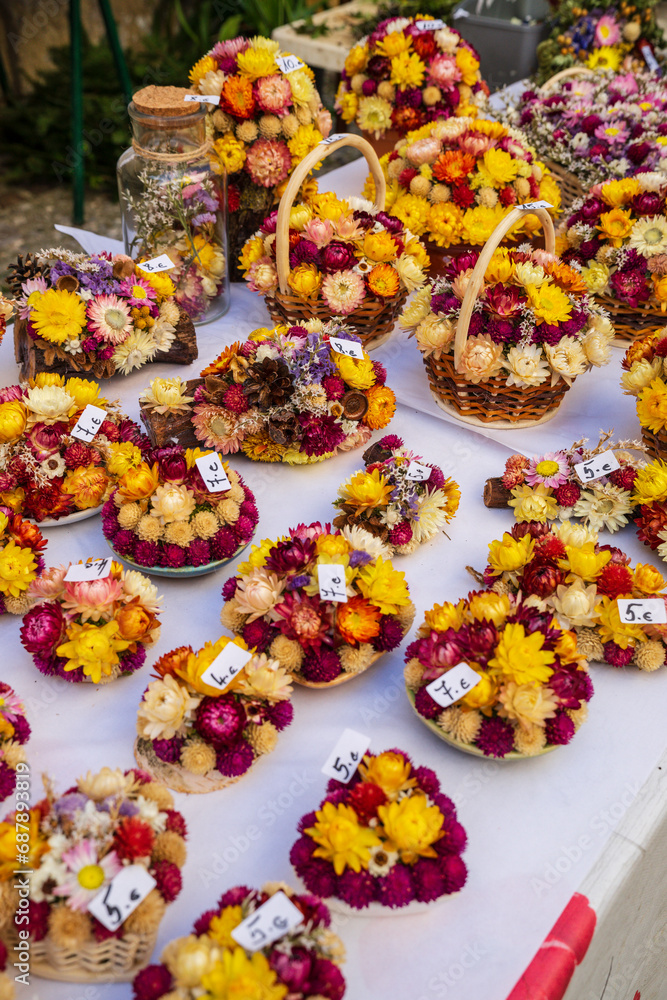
point(226, 666)
point(272, 920)
point(113, 904)
point(418, 472)
point(213, 473)
point(331, 580)
point(287, 64)
point(89, 423)
point(344, 759)
point(433, 24)
point(596, 467)
point(94, 569)
point(453, 685)
point(202, 98)
point(161, 263)
point(347, 347)
point(647, 611)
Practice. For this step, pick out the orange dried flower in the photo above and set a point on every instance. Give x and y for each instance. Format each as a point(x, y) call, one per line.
point(175, 662)
point(566, 277)
point(358, 620)
point(87, 485)
point(452, 166)
point(237, 97)
point(383, 281)
point(381, 406)
point(223, 360)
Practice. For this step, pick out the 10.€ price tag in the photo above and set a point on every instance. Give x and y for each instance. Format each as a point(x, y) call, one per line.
point(226, 666)
point(287, 64)
point(453, 685)
point(331, 580)
point(344, 759)
point(647, 611)
point(213, 473)
point(161, 263)
point(202, 98)
point(272, 920)
point(418, 472)
point(433, 24)
point(113, 904)
point(94, 569)
point(596, 467)
point(347, 347)
point(89, 423)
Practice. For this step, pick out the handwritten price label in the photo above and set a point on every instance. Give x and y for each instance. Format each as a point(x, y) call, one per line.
point(343, 760)
point(89, 423)
point(596, 467)
point(213, 473)
point(287, 64)
point(202, 98)
point(94, 569)
point(332, 138)
point(226, 666)
point(433, 24)
point(347, 347)
point(331, 580)
point(113, 904)
point(418, 472)
point(161, 263)
point(453, 685)
point(530, 206)
point(648, 611)
point(271, 921)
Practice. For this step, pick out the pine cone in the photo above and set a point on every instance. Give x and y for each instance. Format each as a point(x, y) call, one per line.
point(283, 427)
point(23, 270)
point(268, 384)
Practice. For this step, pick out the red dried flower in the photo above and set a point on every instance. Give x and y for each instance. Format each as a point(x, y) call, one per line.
point(567, 494)
point(133, 838)
point(365, 798)
point(549, 547)
point(624, 477)
point(651, 520)
point(615, 581)
point(541, 578)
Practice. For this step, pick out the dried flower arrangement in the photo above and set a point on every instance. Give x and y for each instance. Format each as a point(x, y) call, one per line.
point(14, 734)
point(22, 548)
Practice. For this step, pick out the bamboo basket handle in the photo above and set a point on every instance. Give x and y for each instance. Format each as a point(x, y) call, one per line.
point(320, 152)
point(563, 74)
point(477, 277)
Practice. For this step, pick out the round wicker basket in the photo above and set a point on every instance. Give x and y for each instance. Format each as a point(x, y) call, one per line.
point(116, 960)
point(176, 777)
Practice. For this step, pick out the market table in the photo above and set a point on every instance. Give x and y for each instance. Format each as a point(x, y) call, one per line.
point(536, 828)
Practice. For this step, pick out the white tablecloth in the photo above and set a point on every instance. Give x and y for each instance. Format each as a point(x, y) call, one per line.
point(535, 827)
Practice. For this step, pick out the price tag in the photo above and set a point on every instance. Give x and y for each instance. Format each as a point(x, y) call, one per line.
point(226, 666)
point(530, 206)
point(420, 473)
point(347, 347)
point(113, 904)
point(287, 64)
point(161, 263)
point(202, 98)
point(599, 465)
point(461, 12)
point(343, 760)
point(94, 569)
point(433, 24)
point(332, 138)
point(89, 423)
point(331, 580)
point(272, 920)
point(213, 473)
point(647, 611)
point(453, 685)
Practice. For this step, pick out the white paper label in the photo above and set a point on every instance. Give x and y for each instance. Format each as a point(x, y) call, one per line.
point(420, 473)
point(331, 580)
point(530, 206)
point(433, 24)
point(213, 473)
point(453, 685)
point(161, 263)
point(333, 138)
point(347, 347)
point(272, 920)
point(89, 423)
point(226, 666)
point(287, 64)
point(647, 611)
point(461, 12)
point(94, 569)
point(594, 468)
point(203, 98)
point(345, 757)
point(113, 904)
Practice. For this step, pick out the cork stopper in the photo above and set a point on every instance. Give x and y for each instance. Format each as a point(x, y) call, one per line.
point(165, 101)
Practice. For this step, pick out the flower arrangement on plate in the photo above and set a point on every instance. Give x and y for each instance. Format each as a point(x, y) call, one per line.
point(266, 121)
point(79, 842)
point(547, 487)
point(303, 963)
point(563, 571)
point(384, 499)
point(283, 396)
point(14, 734)
point(275, 603)
point(533, 686)
point(644, 377)
point(21, 561)
point(406, 74)
point(46, 473)
point(387, 840)
point(195, 737)
point(91, 631)
point(650, 493)
point(100, 314)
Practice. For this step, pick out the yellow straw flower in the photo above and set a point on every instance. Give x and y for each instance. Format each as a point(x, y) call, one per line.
point(616, 225)
point(237, 977)
point(612, 629)
point(444, 616)
point(358, 373)
point(620, 192)
point(58, 315)
point(256, 63)
point(501, 166)
point(366, 490)
point(92, 648)
point(584, 562)
point(650, 484)
point(510, 554)
point(534, 503)
point(390, 771)
point(648, 579)
point(468, 65)
point(383, 586)
point(521, 658)
point(489, 606)
point(18, 568)
point(340, 838)
point(412, 826)
point(549, 303)
point(652, 406)
point(407, 70)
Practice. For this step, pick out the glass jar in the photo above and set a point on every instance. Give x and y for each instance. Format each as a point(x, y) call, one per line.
point(171, 201)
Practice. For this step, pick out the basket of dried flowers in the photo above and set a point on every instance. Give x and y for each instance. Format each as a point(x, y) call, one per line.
point(399, 498)
point(105, 861)
point(21, 561)
point(644, 378)
point(650, 492)
point(564, 572)
point(303, 961)
point(211, 714)
point(344, 259)
point(14, 734)
point(495, 676)
point(505, 333)
point(324, 625)
point(548, 487)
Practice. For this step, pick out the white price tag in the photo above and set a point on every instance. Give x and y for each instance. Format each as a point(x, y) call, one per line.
point(461, 12)
point(213, 473)
point(347, 347)
point(344, 759)
point(420, 473)
point(530, 206)
point(331, 580)
point(333, 138)
point(287, 64)
point(226, 666)
point(433, 24)
point(272, 920)
point(94, 569)
point(645, 611)
point(113, 904)
point(89, 423)
point(202, 98)
point(594, 468)
point(453, 685)
point(161, 263)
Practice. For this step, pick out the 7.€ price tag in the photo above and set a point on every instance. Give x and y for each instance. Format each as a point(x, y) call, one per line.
point(453, 685)
point(94, 569)
point(596, 467)
point(213, 473)
point(161, 263)
point(270, 921)
point(347, 347)
point(113, 904)
point(647, 611)
point(226, 666)
point(331, 580)
point(89, 423)
point(343, 760)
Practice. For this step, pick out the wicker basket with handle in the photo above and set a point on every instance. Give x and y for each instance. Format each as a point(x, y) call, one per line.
point(115, 960)
point(373, 321)
point(491, 401)
point(570, 186)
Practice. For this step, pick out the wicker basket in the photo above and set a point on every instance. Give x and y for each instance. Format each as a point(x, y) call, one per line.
point(493, 401)
point(656, 444)
point(176, 777)
point(116, 960)
point(631, 324)
point(570, 186)
point(374, 320)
